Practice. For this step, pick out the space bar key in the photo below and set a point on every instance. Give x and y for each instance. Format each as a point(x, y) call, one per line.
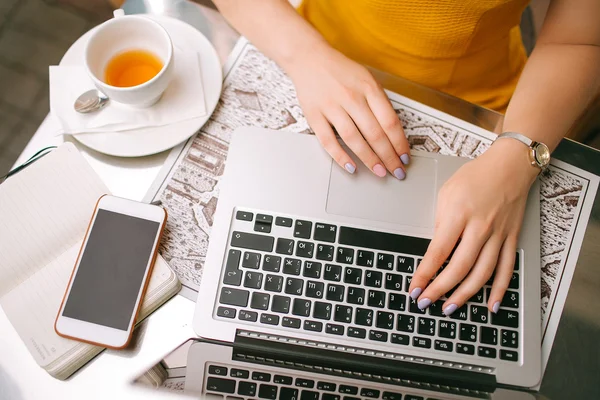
point(252, 241)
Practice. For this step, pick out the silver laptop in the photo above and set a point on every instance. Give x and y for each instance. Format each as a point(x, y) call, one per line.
point(307, 259)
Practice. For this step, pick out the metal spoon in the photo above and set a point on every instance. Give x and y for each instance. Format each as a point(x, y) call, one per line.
point(90, 101)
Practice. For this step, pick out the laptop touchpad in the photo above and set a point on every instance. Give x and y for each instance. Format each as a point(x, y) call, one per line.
point(409, 202)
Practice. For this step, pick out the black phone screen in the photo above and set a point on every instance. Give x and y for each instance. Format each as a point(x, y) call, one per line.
point(111, 271)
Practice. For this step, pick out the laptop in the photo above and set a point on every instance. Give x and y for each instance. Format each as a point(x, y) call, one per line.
point(309, 261)
point(209, 369)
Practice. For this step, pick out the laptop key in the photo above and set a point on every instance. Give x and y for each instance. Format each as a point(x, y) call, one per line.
point(343, 314)
point(479, 314)
point(248, 316)
point(322, 310)
point(305, 383)
point(233, 275)
point(460, 313)
point(252, 241)
point(271, 263)
point(217, 370)
point(253, 280)
point(391, 396)
point(356, 296)
point(283, 380)
point(406, 264)
point(477, 297)
point(251, 260)
point(373, 279)
point(269, 319)
point(487, 352)
point(330, 387)
point(373, 393)
point(335, 292)
point(334, 329)
point(220, 385)
point(285, 246)
point(385, 261)
point(405, 323)
point(443, 345)
point(517, 262)
point(413, 397)
point(291, 322)
point(378, 336)
point(234, 297)
point(363, 317)
point(263, 218)
point(309, 395)
point(359, 333)
point(509, 355)
point(414, 307)
point(510, 338)
point(247, 388)
point(239, 373)
point(244, 216)
point(274, 283)
point(488, 335)
point(376, 299)
point(397, 302)
point(353, 275)
point(393, 282)
point(292, 266)
point(514, 281)
point(288, 393)
point(468, 332)
point(426, 326)
point(281, 221)
point(315, 289)
point(325, 252)
point(312, 269)
point(302, 229)
point(385, 320)
point(325, 232)
point(262, 227)
point(447, 329)
point(260, 301)
point(364, 258)
point(398, 338)
point(226, 312)
point(314, 326)
point(305, 249)
point(424, 343)
point(436, 309)
point(463, 348)
point(261, 376)
point(267, 392)
point(347, 389)
point(294, 286)
point(281, 304)
point(507, 318)
point(301, 307)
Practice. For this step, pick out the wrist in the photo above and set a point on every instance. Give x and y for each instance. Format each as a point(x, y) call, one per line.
point(513, 156)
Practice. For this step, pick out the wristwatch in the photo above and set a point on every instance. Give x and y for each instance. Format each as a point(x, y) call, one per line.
point(539, 154)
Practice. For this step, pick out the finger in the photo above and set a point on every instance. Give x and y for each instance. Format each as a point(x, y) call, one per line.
point(328, 140)
point(354, 140)
point(444, 239)
point(389, 121)
point(504, 270)
point(459, 266)
point(479, 275)
point(368, 125)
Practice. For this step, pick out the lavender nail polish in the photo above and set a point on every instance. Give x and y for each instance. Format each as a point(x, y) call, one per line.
point(423, 303)
point(496, 307)
point(399, 173)
point(350, 168)
point(405, 159)
point(415, 293)
point(450, 309)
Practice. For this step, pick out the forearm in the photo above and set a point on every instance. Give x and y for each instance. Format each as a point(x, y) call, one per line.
point(557, 84)
point(274, 27)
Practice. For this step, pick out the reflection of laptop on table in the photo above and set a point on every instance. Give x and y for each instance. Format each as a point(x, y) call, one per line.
point(307, 262)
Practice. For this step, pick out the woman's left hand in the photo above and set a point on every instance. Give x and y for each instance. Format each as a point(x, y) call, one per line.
point(482, 204)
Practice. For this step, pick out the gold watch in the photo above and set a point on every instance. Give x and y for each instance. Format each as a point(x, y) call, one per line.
point(539, 154)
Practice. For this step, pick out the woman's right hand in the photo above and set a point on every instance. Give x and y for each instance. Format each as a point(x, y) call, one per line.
point(337, 92)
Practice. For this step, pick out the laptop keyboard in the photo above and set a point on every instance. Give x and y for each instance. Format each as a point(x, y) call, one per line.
point(244, 383)
point(339, 281)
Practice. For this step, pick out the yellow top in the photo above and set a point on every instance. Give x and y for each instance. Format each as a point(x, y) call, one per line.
point(471, 49)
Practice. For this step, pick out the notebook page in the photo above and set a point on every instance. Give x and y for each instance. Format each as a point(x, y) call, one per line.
point(44, 210)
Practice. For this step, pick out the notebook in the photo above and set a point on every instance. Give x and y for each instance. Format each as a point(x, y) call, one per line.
point(44, 212)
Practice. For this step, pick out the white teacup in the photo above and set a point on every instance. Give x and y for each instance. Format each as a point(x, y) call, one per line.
point(124, 33)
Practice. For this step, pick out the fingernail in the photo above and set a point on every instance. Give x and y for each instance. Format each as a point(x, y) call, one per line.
point(350, 168)
point(405, 159)
point(496, 307)
point(423, 303)
point(416, 292)
point(399, 173)
point(379, 170)
point(450, 309)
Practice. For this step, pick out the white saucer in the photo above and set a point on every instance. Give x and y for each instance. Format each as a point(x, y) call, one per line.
point(152, 140)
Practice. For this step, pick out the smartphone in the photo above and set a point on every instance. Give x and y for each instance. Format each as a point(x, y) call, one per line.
point(111, 273)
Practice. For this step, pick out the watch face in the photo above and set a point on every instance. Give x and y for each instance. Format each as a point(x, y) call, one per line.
point(542, 154)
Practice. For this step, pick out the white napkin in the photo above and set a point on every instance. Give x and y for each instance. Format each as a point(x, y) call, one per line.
point(183, 100)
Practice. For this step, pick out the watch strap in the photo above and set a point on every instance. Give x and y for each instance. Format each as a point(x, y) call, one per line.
point(514, 135)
